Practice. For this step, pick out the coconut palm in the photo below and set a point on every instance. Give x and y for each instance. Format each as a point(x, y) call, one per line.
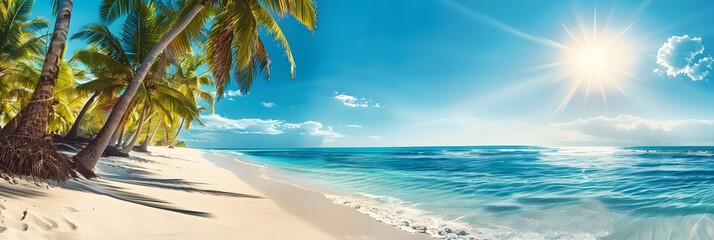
point(68, 99)
point(237, 22)
point(19, 34)
point(29, 150)
point(191, 82)
point(114, 60)
point(20, 42)
point(163, 100)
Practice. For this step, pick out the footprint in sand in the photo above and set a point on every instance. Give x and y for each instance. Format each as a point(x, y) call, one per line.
point(33, 222)
point(47, 224)
point(18, 225)
point(69, 224)
point(70, 209)
point(43, 222)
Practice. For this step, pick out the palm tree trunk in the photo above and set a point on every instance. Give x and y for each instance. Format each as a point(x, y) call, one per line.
point(142, 119)
point(137, 133)
point(10, 127)
point(89, 156)
point(166, 135)
point(120, 139)
point(74, 131)
point(130, 138)
point(145, 145)
point(36, 113)
point(115, 136)
point(177, 133)
point(30, 139)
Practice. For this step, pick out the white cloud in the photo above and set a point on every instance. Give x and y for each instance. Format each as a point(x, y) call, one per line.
point(634, 130)
point(352, 125)
point(217, 122)
point(268, 104)
point(700, 70)
point(375, 137)
point(678, 56)
point(352, 101)
point(233, 93)
point(313, 128)
point(267, 127)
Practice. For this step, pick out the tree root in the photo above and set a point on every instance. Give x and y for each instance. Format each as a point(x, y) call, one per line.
point(35, 157)
point(112, 151)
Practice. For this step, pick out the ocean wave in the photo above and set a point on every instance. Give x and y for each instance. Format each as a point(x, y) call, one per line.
point(697, 226)
point(405, 216)
point(515, 192)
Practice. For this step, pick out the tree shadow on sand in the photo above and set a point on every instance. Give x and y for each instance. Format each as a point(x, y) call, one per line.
point(15, 191)
point(124, 171)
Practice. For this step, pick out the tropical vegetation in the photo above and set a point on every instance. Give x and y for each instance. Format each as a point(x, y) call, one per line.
point(168, 63)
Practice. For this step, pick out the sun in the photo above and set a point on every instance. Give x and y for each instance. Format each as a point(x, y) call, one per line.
point(594, 59)
point(593, 56)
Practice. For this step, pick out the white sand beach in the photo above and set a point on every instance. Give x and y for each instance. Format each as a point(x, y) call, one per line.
point(179, 194)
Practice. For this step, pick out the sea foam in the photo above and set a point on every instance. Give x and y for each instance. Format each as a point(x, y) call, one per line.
point(405, 216)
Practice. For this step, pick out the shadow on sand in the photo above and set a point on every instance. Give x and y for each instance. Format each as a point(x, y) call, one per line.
point(20, 191)
point(125, 170)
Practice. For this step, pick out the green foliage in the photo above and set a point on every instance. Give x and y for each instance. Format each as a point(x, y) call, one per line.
point(177, 87)
point(20, 45)
point(234, 46)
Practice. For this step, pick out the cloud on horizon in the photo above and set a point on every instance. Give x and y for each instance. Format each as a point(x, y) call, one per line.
point(218, 123)
point(683, 55)
point(633, 130)
point(268, 104)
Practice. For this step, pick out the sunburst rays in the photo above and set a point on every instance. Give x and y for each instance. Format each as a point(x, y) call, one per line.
point(593, 57)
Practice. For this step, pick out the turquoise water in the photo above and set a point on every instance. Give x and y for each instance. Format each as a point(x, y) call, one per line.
point(514, 192)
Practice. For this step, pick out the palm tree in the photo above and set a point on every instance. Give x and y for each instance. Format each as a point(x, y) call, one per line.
point(19, 43)
point(238, 22)
point(68, 99)
point(114, 60)
point(29, 150)
point(191, 83)
point(19, 39)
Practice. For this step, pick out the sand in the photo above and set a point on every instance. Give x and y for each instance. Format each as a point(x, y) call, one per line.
point(179, 194)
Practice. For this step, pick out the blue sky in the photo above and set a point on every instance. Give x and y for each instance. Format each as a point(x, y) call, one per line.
point(478, 72)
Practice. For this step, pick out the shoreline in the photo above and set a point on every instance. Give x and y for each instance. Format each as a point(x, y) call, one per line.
point(393, 213)
point(312, 205)
point(180, 193)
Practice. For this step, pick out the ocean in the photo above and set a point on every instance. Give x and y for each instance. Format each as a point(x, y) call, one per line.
point(512, 192)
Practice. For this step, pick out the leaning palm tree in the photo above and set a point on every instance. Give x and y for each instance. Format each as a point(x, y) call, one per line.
point(235, 30)
point(29, 150)
point(114, 59)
